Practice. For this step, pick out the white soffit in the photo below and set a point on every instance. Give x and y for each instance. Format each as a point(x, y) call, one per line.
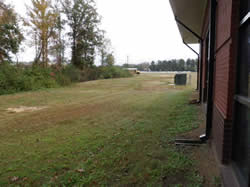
point(191, 13)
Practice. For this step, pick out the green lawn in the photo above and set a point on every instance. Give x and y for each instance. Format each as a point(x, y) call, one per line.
point(101, 133)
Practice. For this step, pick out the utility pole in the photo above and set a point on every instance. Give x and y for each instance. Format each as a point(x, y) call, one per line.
point(127, 62)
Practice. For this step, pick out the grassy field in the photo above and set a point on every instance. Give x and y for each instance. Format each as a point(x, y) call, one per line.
point(102, 133)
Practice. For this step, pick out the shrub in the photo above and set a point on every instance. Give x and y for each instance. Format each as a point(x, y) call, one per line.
point(108, 72)
point(94, 73)
point(40, 77)
point(62, 79)
point(25, 78)
point(89, 74)
point(73, 73)
point(16, 79)
point(8, 79)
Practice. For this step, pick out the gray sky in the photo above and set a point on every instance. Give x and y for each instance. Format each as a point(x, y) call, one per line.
point(144, 30)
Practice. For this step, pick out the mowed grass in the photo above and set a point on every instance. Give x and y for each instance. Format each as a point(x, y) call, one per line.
point(102, 133)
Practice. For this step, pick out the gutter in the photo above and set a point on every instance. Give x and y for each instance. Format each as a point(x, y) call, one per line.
point(203, 138)
point(209, 117)
point(199, 70)
point(188, 29)
point(191, 49)
point(199, 67)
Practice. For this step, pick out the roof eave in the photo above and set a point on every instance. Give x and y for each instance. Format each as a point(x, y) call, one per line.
point(191, 14)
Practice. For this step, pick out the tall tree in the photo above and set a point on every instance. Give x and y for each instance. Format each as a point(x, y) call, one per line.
point(10, 33)
point(42, 20)
point(83, 20)
point(104, 49)
point(58, 46)
point(110, 60)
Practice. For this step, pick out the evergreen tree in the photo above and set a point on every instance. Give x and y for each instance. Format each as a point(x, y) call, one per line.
point(170, 65)
point(153, 66)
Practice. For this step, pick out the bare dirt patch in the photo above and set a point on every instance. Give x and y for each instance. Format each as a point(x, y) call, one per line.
point(25, 109)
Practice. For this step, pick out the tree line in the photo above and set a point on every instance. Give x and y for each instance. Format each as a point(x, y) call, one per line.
point(52, 25)
point(49, 27)
point(166, 65)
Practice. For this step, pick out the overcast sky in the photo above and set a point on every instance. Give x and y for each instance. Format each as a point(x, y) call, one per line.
point(143, 30)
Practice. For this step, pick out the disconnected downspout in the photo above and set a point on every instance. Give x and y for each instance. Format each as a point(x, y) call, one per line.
point(199, 67)
point(203, 138)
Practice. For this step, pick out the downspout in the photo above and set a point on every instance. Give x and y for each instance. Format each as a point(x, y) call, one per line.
point(198, 73)
point(191, 49)
point(211, 68)
point(205, 137)
point(209, 117)
point(199, 68)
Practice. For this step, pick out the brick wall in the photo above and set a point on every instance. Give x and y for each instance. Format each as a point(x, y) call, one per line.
point(222, 69)
point(225, 71)
point(224, 75)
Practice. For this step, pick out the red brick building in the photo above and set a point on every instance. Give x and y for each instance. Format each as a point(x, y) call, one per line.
point(221, 27)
